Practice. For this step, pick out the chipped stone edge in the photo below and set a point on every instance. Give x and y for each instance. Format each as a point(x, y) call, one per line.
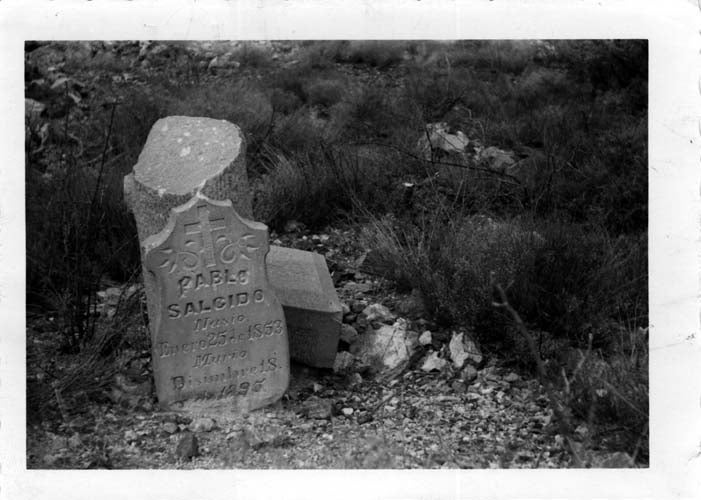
point(161, 192)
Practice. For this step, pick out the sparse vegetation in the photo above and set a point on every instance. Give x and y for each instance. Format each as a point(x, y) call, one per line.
point(333, 130)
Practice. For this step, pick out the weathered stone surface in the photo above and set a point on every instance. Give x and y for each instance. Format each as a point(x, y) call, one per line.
point(219, 340)
point(463, 349)
point(348, 334)
point(469, 374)
point(438, 137)
point(384, 348)
point(425, 338)
point(184, 156)
point(433, 362)
point(312, 310)
point(378, 312)
point(202, 424)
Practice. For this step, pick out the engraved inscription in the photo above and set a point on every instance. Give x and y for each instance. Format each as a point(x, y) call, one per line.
point(222, 333)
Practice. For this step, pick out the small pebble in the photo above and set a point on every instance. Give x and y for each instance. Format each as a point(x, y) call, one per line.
point(458, 386)
point(202, 424)
point(425, 338)
point(170, 427)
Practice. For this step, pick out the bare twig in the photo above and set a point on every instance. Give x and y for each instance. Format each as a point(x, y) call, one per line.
point(639, 444)
point(507, 177)
point(382, 402)
point(617, 393)
point(60, 403)
point(563, 420)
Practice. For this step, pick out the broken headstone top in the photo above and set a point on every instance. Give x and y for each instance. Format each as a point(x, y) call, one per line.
point(182, 153)
point(185, 156)
point(219, 337)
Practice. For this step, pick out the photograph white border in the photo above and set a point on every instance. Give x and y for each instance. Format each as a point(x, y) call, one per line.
point(672, 29)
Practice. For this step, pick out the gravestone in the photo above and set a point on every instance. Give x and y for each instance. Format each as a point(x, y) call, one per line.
point(184, 156)
point(312, 310)
point(219, 340)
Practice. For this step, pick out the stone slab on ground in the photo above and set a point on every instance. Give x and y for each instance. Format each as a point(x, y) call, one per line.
point(218, 334)
point(313, 312)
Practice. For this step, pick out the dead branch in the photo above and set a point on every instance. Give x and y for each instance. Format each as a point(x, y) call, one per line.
point(506, 177)
point(564, 424)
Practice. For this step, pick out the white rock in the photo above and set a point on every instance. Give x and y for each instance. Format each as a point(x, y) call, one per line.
point(463, 349)
point(348, 333)
point(498, 159)
point(170, 427)
point(378, 312)
point(469, 374)
point(344, 362)
point(437, 137)
point(457, 350)
point(474, 354)
point(433, 362)
point(425, 338)
point(347, 411)
point(202, 424)
point(384, 348)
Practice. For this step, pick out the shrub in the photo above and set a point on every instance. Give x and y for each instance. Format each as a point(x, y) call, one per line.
point(325, 92)
point(560, 277)
point(539, 86)
point(284, 102)
point(377, 53)
point(510, 56)
point(252, 55)
point(292, 80)
point(82, 225)
point(134, 117)
point(376, 112)
point(579, 279)
point(607, 388)
point(298, 132)
point(322, 54)
point(242, 103)
point(452, 261)
point(63, 384)
point(319, 185)
point(437, 93)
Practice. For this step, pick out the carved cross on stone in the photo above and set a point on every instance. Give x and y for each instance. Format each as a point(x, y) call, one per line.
point(204, 227)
